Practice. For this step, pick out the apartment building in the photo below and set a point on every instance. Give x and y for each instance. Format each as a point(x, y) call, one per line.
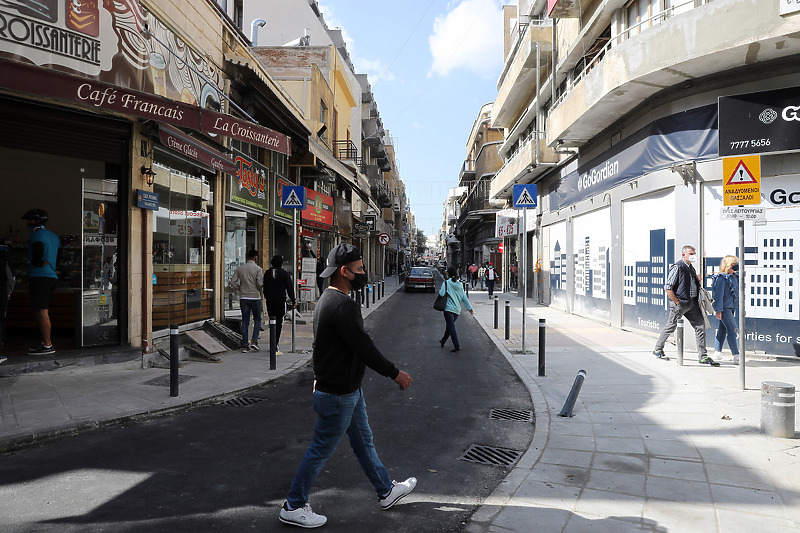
point(622, 112)
point(350, 161)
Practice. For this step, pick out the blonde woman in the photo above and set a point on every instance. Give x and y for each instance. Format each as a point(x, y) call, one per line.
point(726, 305)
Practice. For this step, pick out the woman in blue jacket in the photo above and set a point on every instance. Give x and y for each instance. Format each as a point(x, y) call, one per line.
point(455, 297)
point(726, 305)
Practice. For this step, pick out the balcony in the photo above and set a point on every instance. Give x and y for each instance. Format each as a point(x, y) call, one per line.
point(524, 165)
point(518, 81)
point(467, 171)
point(664, 51)
point(377, 186)
point(373, 131)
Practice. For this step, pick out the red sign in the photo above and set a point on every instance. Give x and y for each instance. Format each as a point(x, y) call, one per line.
point(319, 210)
point(178, 141)
point(500, 247)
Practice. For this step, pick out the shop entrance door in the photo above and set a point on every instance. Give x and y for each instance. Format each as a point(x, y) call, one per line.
point(100, 278)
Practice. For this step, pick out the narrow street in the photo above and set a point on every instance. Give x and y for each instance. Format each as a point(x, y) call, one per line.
point(228, 468)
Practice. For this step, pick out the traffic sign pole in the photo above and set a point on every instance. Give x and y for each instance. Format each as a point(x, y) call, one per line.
point(742, 277)
point(524, 273)
point(294, 273)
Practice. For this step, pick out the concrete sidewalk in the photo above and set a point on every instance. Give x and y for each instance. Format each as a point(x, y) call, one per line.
point(652, 446)
point(38, 407)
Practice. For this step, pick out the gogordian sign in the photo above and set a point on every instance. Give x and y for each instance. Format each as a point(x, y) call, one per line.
point(755, 123)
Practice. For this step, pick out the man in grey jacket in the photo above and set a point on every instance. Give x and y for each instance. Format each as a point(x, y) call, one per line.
point(249, 281)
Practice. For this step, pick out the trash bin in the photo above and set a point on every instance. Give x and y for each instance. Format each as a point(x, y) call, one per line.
point(777, 409)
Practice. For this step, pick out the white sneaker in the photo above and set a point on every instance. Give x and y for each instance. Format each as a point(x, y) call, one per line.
point(719, 356)
point(303, 517)
point(736, 359)
point(399, 490)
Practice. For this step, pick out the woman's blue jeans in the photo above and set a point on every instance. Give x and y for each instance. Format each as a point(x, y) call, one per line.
point(727, 327)
point(338, 414)
point(450, 329)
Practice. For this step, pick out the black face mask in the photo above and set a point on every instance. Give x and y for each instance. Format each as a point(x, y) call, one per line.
point(360, 281)
point(735, 268)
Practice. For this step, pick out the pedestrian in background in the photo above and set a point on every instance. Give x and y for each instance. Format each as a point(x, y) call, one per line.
point(682, 289)
point(455, 298)
point(725, 291)
point(42, 276)
point(277, 286)
point(491, 278)
point(482, 276)
point(342, 352)
point(473, 274)
point(249, 281)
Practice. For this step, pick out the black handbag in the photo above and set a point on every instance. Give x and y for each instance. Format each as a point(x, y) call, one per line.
point(440, 304)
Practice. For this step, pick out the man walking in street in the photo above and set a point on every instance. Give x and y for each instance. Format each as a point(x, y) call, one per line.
point(682, 288)
point(42, 254)
point(249, 281)
point(342, 351)
point(277, 285)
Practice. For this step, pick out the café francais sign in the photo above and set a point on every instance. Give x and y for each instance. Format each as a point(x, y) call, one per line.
point(109, 55)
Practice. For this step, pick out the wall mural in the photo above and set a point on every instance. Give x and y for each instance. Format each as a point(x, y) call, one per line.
point(591, 240)
point(558, 263)
point(772, 250)
point(648, 249)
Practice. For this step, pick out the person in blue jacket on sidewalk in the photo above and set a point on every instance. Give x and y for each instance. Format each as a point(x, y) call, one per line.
point(455, 297)
point(725, 292)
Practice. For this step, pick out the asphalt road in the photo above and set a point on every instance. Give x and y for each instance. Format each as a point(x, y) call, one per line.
point(228, 468)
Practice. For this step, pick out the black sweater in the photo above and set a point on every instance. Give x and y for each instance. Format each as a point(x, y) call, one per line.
point(342, 348)
point(277, 284)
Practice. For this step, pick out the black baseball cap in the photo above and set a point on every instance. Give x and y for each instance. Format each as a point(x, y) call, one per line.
point(341, 255)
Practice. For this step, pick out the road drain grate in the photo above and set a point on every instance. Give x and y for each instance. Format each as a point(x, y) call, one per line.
point(241, 402)
point(511, 414)
point(491, 455)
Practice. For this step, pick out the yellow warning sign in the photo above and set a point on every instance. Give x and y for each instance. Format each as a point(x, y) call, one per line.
point(741, 182)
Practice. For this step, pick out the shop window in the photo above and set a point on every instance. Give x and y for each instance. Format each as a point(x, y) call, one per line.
point(182, 252)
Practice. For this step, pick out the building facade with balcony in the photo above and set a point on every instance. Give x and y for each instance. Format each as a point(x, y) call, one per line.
point(615, 110)
point(476, 222)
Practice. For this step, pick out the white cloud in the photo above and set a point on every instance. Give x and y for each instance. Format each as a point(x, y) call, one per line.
point(373, 68)
point(470, 36)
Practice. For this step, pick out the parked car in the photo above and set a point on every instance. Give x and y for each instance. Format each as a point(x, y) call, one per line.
point(420, 278)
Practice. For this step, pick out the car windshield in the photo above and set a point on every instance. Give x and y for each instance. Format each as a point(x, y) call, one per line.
point(421, 273)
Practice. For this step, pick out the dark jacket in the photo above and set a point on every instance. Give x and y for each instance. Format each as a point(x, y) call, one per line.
point(342, 348)
point(682, 285)
point(277, 284)
point(726, 292)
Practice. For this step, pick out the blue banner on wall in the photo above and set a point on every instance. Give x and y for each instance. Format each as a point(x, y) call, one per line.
point(687, 136)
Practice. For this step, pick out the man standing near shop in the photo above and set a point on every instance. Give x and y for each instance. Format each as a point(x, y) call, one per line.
point(277, 286)
point(42, 277)
point(342, 351)
point(249, 281)
point(682, 288)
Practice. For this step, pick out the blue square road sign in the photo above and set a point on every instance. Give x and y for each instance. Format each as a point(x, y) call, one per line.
point(524, 196)
point(293, 197)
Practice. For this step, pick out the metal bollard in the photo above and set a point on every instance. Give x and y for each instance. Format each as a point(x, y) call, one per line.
point(508, 319)
point(383, 289)
point(542, 330)
point(679, 339)
point(372, 290)
point(495, 314)
point(466, 288)
point(777, 409)
point(569, 405)
point(273, 342)
point(174, 359)
point(365, 294)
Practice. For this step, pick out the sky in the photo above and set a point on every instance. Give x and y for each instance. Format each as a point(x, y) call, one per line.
point(432, 64)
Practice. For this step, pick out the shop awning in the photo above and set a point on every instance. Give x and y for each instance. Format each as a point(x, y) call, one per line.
point(178, 141)
point(49, 83)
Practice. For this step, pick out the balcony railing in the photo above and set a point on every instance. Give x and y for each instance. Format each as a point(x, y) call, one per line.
point(658, 18)
point(346, 151)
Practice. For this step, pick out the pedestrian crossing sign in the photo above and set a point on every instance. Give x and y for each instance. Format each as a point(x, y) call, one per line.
point(524, 196)
point(293, 197)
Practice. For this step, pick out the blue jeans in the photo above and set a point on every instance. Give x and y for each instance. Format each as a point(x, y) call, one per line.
point(727, 327)
point(338, 414)
point(250, 306)
point(450, 329)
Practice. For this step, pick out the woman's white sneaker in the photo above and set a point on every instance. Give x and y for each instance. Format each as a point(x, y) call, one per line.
point(302, 517)
point(399, 490)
